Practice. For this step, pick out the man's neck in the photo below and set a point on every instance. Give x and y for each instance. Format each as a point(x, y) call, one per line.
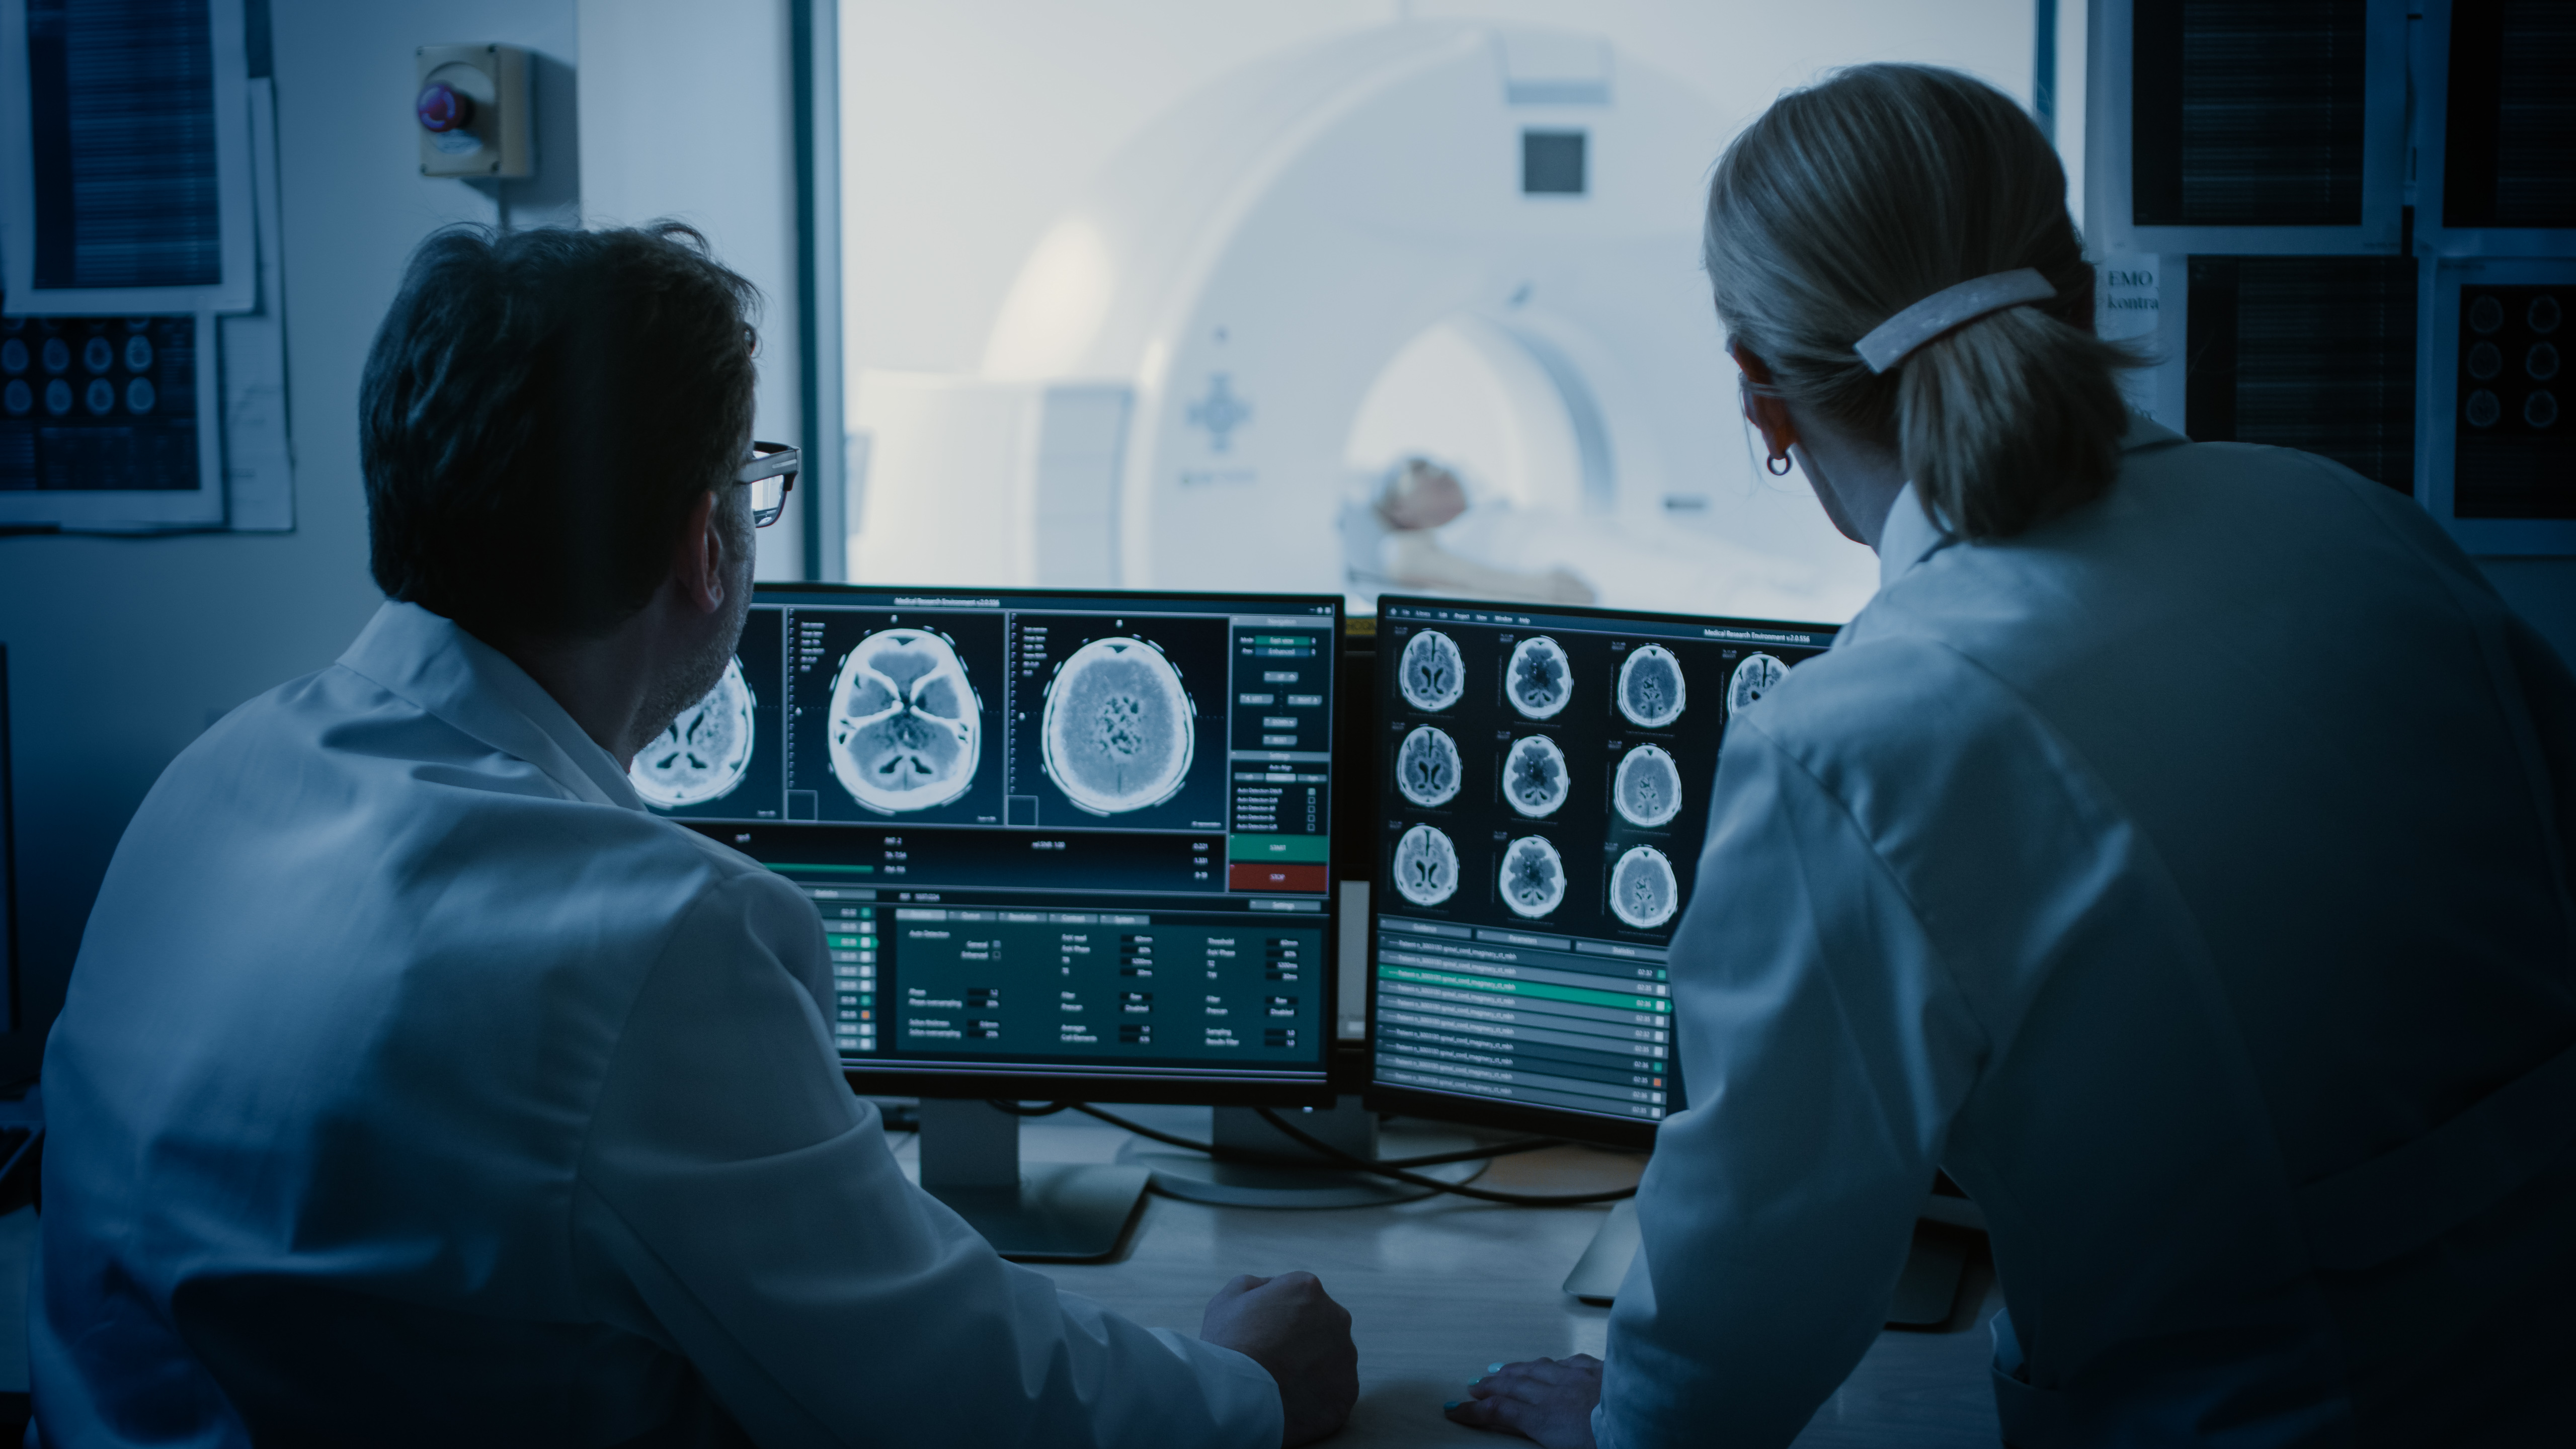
point(602, 683)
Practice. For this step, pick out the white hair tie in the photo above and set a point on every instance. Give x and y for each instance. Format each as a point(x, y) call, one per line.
point(1888, 343)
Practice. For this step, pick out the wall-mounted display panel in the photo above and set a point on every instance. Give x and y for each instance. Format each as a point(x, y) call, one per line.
point(2498, 456)
point(2496, 128)
point(2251, 127)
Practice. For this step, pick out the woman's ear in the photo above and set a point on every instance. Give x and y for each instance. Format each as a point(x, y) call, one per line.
point(1769, 415)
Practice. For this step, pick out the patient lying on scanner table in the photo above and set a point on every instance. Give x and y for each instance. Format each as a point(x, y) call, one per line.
point(1417, 527)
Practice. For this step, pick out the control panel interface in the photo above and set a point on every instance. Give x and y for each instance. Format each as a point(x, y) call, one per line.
point(1543, 791)
point(1048, 833)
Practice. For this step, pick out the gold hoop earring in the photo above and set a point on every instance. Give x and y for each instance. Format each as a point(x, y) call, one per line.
point(1777, 465)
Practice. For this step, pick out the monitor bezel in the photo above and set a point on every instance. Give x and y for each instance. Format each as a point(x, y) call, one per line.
point(1159, 1088)
point(1600, 1129)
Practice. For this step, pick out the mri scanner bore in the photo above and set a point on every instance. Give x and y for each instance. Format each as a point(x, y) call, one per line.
point(907, 729)
point(1427, 767)
point(1533, 877)
point(1651, 689)
point(1117, 733)
point(1426, 866)
point(1540, 679)
point(1535, 780)
point(1433, 673)
point(704, 753)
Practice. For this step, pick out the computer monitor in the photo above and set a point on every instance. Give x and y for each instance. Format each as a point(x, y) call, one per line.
point(1066, 844)
point(1543, 784)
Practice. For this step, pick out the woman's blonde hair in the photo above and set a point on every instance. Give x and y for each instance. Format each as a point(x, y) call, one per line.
point(1852, 200)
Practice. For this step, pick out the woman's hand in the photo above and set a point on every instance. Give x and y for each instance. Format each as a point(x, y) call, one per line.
point(1548, 1400)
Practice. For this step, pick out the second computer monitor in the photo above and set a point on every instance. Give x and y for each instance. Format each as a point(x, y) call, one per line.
point(1544, 776)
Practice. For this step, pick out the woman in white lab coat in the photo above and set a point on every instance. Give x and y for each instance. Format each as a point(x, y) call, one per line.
point(2176, 849)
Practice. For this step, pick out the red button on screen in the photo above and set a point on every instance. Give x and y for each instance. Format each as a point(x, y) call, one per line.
point(1259, 877)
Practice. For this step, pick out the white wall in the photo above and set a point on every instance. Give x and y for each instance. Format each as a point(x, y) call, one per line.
point(967, 125)
point(685, 113)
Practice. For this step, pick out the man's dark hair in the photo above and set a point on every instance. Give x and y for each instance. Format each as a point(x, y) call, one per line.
point(540, 412)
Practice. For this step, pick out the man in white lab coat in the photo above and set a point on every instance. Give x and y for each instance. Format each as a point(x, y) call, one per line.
point(415, 1085)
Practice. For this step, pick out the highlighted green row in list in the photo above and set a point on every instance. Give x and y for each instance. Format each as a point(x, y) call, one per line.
point(1280, 849)
point(1585, 996)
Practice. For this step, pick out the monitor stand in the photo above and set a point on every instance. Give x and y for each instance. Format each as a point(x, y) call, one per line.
point(1346, 1125)
point(1925, 1292)
point(1053, 1212)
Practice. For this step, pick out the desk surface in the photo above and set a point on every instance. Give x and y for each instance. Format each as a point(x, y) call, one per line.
point(1441, 1287)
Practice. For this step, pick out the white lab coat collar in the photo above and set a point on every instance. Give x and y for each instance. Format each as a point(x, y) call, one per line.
point(1908, 537)
point(1911, 535)
point(449, 673)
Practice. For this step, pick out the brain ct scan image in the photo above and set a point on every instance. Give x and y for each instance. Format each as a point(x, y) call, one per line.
point(1753, 679)
point(1426, 866)
point(1540, 679)
point(1117, 734)
point(1426, 766)
point(1650, 687)
point(1433, 673)
point(704, 753)
point(906, 727)
point(1533, 877)
point(1534, 776)
point(1643, 892)
point(1647, 791)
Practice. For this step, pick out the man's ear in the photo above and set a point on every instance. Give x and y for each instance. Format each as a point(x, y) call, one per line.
point(698, 563)
point(1769, 415)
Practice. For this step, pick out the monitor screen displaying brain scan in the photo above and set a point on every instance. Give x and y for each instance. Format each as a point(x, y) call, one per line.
point(704, 753)
point(1544, 793)
point(1533, 883)
point(1643, 891)
point(1535, 780)
point(1646, 789)
point(1540, 679)
point(1426, 866)
point(1431, 672)
point(1076, 840)
point(1118, 733)
point(1427, 768)
point(1651, 691)
point(907, 729)
point(1753, 679)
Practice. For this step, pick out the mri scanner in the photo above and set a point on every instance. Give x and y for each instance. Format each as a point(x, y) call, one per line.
point(1472, 242)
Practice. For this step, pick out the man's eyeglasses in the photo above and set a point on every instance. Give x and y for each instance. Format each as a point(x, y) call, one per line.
point(771, 476)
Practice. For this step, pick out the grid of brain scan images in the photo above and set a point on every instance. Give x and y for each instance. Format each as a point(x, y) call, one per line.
point(1545, 790)
point(1045, 832)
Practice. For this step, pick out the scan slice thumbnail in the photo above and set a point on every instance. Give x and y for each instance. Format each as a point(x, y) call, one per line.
point(704, 753)
point(1117, 734)
point(1432, 673)
point(1643, 892)
point(1647, 791)
point(1753, 679)
point(1533, 877)
point(1426, 766)
point(1541, 678)
point(1534, 776)
point(1651, 693)
point(907, 729)
point(1426, 866)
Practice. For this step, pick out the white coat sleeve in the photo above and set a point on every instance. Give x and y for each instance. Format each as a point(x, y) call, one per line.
point(738, 1204)
point(1824, 1051)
